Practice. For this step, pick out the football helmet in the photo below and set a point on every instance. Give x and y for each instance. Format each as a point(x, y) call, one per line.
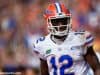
point(58, 19)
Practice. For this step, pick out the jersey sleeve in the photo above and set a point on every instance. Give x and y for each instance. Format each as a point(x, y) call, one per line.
point(89, 39)
point(38, 50)
point(35, 47)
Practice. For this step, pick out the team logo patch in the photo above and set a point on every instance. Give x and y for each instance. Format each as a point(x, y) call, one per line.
point(48, 51)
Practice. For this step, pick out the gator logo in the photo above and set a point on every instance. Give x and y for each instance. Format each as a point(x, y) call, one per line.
point(48, 12)
point(48, 51)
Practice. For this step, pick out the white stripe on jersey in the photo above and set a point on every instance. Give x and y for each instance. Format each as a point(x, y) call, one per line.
point(89, 39)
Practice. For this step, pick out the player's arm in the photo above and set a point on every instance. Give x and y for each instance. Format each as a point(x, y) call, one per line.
point(92, 59)
point(43, 67)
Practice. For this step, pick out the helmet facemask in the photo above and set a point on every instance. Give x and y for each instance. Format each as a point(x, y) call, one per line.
point(59, 26)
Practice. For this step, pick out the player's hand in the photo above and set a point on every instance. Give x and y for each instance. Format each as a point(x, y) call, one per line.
point(97, 72)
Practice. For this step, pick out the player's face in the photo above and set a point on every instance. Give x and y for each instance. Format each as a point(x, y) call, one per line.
point(60, 24)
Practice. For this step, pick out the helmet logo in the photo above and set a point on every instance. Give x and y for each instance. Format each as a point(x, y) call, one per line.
point(48, 12)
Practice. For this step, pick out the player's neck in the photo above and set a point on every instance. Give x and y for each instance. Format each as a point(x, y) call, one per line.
point(58, 39)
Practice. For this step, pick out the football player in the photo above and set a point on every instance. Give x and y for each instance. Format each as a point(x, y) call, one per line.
point(66, 52)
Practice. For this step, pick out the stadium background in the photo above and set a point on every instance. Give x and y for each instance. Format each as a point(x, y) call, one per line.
point(22, 18)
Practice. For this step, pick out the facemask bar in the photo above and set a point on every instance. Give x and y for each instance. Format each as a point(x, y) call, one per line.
point(53, 30)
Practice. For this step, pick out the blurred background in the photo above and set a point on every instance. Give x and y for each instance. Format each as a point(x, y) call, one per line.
point(21, 20)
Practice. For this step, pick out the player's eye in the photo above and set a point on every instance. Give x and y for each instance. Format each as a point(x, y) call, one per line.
point(60, 21)
point(55, 22)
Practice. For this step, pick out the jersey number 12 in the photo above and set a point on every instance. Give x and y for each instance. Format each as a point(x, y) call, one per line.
point(63, 66)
